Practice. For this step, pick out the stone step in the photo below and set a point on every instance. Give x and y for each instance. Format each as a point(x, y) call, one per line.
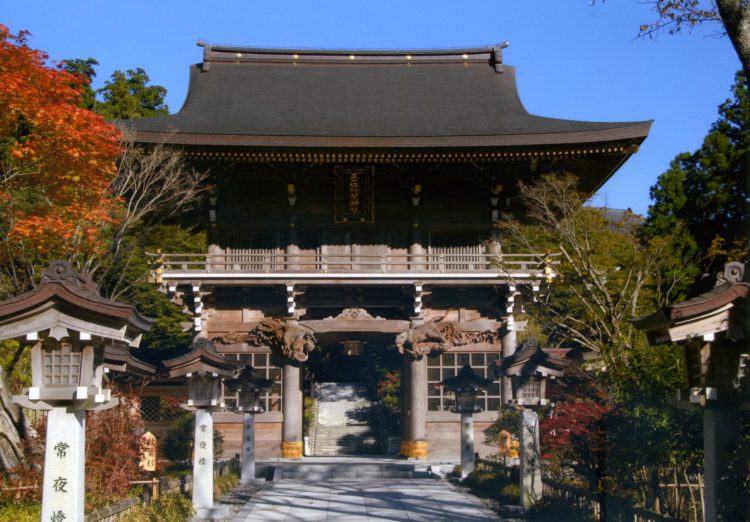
point(343, 421)
point(337, 471)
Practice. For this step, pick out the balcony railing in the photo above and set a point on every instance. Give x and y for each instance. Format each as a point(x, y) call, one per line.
point(511, 266)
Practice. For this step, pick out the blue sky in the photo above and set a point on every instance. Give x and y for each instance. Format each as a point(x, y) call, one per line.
point(573, 60)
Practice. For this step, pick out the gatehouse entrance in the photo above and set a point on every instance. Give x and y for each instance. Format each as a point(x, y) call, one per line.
point(346, 411)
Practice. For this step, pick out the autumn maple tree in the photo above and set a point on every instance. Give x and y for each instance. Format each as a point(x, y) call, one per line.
point(57, 162)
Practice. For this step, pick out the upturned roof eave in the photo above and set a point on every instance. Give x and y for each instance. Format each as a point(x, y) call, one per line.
point(628, 132)
point(692, 308)
point(55, 290)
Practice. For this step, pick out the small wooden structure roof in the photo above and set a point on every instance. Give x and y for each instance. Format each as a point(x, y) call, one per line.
point(202, 359)
point(67, 302)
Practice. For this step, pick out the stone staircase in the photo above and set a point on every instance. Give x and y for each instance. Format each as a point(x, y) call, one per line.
point(346, 423)
point(331, 470)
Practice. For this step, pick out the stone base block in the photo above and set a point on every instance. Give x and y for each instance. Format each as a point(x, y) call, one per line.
point(414, 449)
point(292, 450)
point(212, 513)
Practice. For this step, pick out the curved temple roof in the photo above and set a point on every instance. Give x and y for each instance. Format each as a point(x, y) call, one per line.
point(404, 99)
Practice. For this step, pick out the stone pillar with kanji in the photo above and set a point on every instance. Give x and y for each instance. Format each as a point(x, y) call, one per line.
point(204, 368)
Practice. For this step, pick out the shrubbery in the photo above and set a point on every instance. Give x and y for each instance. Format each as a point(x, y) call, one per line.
point(172, 507)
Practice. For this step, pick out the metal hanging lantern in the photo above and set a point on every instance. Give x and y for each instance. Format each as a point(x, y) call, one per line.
point(466, 385)
point(354, 348)
point(466, 401)
point(249, 387)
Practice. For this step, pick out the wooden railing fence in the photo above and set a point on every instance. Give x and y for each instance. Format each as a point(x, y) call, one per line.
point(619, 509)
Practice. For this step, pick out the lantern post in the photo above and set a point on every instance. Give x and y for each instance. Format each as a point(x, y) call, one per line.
point(249, 387)
point(529, 368)
point(204, 368)
point(714, 330)
point(465, 386)
point(67, 324)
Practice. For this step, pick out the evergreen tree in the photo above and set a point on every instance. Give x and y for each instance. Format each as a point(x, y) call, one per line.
point(126, 95)
point(703, 197)
point(84, 69)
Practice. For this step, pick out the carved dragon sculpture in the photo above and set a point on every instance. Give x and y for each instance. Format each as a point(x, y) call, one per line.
point(292, 340)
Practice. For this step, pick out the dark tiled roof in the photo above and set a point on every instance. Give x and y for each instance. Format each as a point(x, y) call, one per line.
point(460, 98)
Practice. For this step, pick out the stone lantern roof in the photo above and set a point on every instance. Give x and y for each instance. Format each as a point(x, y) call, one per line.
point(202, 359)
point(68, 303)
point(724, 308)
point(530, 359)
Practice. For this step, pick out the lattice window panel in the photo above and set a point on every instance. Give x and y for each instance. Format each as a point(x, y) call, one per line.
point(156, 408)
point(62, 366)
point(441, 367)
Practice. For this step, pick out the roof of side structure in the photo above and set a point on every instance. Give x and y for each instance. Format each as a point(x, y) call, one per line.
point(382, 99)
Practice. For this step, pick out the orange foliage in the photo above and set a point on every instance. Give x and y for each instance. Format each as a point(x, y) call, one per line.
point(57, 160)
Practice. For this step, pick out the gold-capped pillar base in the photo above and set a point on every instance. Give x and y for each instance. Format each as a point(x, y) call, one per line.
point(291, 450)
point(414, 449)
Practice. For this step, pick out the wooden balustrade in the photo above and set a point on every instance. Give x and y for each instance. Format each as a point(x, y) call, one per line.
point(514, 265)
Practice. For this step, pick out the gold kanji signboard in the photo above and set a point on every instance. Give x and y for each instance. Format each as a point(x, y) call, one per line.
point(355, 195)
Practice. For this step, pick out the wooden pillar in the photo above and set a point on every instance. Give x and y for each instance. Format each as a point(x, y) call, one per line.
point(292, 250)
point(405, 405)
point(292, 443)
point(216, 259)
point(417, 260)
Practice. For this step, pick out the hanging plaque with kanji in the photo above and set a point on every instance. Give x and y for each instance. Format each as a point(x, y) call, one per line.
point(355, 195)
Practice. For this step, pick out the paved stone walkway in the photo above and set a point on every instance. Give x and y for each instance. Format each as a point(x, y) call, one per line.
point(360, 500)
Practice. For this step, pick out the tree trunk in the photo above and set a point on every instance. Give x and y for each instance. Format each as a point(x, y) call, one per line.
point(13, 427)
point(735, 15)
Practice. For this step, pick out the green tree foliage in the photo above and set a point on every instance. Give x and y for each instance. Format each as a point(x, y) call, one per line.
point(703, 197)
point(605, 276)
point(127, 280)
point(624, 435)
point(85, 70)
point(126, 96)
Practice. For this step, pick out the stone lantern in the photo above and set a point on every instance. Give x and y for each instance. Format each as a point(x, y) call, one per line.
point(528, 369)
point(68, 326)
point(249, 387)
point(204, 368)
point(714, 330)
point(466, 385)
